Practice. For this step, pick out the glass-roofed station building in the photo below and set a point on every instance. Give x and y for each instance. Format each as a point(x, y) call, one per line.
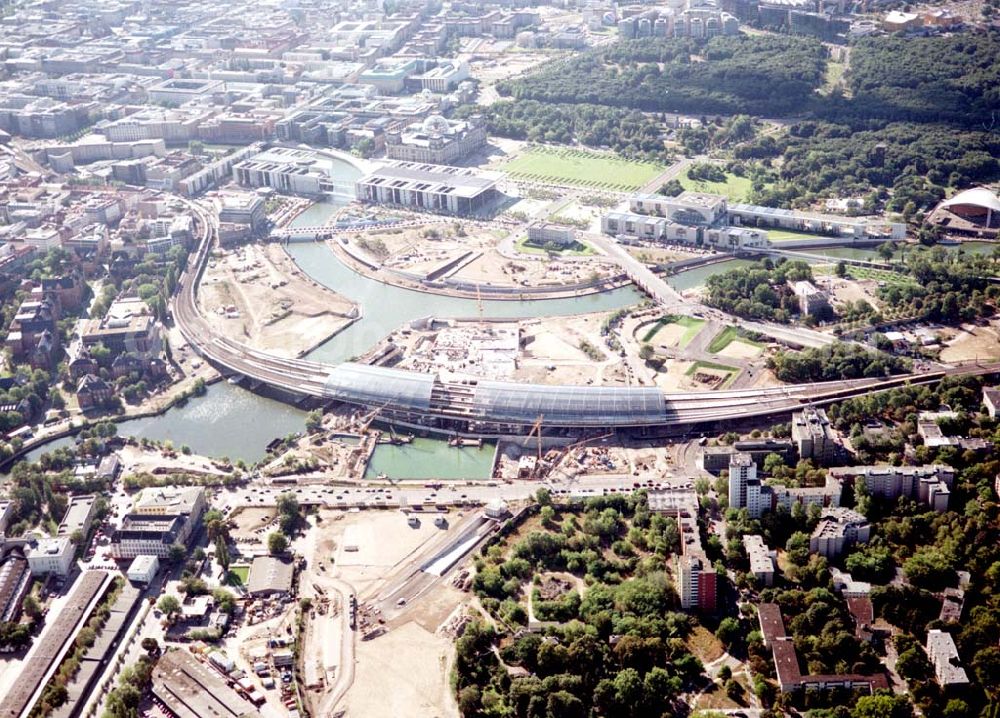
point(492, 407)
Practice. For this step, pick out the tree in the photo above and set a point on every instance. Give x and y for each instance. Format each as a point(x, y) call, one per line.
point(882, 705)
point(176, 553)
point(728, 631)
point(646, 351)
point(169, 605)
point(30, 606)
point(277, 543)
point(150, 645)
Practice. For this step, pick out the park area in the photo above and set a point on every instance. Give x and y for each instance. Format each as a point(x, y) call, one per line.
point(736, 189)
point(564, 166)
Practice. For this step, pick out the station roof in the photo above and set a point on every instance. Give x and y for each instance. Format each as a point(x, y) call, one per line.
point(376, 386)
point(579, 405)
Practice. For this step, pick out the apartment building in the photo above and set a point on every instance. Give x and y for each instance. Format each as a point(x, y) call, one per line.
point(944, 657)
point(813, 434)
point(761, 561)
point(838, 528)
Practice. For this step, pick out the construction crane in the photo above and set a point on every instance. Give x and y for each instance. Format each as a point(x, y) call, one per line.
point(536, 429)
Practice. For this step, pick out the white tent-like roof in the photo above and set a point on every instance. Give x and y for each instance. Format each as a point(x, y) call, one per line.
point(976, 197)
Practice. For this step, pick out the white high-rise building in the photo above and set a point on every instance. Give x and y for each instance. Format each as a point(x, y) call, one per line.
point(742, 470)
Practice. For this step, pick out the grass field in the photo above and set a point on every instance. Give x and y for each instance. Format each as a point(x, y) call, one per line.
point(787, 235)
point(577, 167)
point(880, 275)
point(522, 245)
point(238, 575)
point(691, 328)
point(735, 188)
point(726, 337)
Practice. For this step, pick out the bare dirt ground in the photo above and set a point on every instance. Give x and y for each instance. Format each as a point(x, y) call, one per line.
point(136, 460)
point(658, 255)
point(848, 290)
point(552, 353)
point(257, 295)
point(741, 350)
point(404, 671)
point(972, 342)
point(489, 256)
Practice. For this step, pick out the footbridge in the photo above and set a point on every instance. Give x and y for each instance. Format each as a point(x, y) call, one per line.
point(491, 407)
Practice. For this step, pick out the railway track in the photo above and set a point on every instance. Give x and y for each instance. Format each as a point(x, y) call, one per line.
point(452, 401)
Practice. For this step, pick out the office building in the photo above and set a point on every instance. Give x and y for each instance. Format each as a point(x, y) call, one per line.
point(761, 562)
point(436, 188)
point(171, 501)
point(437, 140)
point(147, 535)
point(813, 435)
point(944, 657)
point(838, 528)
point(127, 327)
point(51, 555)
point(79, 515)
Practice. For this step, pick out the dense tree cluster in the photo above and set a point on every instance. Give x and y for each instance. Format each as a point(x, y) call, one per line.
point(917, 162)
point(759, 75)
point(833, 362)
point(953, 78)
point(617, 650)
point(628, 132)
point(949, 288)
point(759, 291)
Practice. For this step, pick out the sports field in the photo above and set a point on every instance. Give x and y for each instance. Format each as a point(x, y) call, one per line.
point(735, 188)
point(567, 166)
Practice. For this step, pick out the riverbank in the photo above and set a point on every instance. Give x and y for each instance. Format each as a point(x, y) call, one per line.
point(352, 256)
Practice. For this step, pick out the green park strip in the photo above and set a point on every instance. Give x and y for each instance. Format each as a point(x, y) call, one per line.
point(691, 328)
point(553, 165)
point(726, 337)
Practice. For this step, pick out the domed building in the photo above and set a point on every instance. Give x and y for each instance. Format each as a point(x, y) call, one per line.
point(973, 212)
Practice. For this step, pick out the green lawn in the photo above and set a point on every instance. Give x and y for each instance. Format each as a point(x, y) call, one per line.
point(787, 235)
point(578, 167)
point(880, 275)
point(691, 328)
point(522, 245)
point(238, 575)
point(735, 188)
point(726, 337)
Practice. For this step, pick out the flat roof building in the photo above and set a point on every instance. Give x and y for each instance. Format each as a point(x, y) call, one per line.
point(51, 555)
point(761, 563)
point(78, 516)
point(437, 188)
point(813, 435)
point(837, 529)
point(944, 656)
point(170, 501)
